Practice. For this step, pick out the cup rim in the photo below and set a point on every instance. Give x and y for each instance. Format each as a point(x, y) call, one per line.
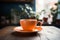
point(28, 19)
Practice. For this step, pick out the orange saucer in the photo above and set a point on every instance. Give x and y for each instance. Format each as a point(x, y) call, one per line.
point(20, 29)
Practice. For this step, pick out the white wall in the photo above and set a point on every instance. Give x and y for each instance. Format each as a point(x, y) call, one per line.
point(42, 4)
point(39, 5)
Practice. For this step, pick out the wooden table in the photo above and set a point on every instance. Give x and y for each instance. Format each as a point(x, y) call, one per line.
point(48, 33)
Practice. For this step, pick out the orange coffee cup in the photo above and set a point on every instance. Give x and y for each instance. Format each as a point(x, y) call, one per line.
point(28, 24)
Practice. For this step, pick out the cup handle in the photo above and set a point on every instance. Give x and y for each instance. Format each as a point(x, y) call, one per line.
point(40, 23)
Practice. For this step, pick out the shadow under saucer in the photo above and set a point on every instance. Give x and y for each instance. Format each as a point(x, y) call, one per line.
point(20, 34)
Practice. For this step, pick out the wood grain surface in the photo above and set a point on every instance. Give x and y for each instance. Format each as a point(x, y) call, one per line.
point(47, 33)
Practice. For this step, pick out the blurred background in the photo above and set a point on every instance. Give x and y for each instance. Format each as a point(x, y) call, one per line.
point(11, 11)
